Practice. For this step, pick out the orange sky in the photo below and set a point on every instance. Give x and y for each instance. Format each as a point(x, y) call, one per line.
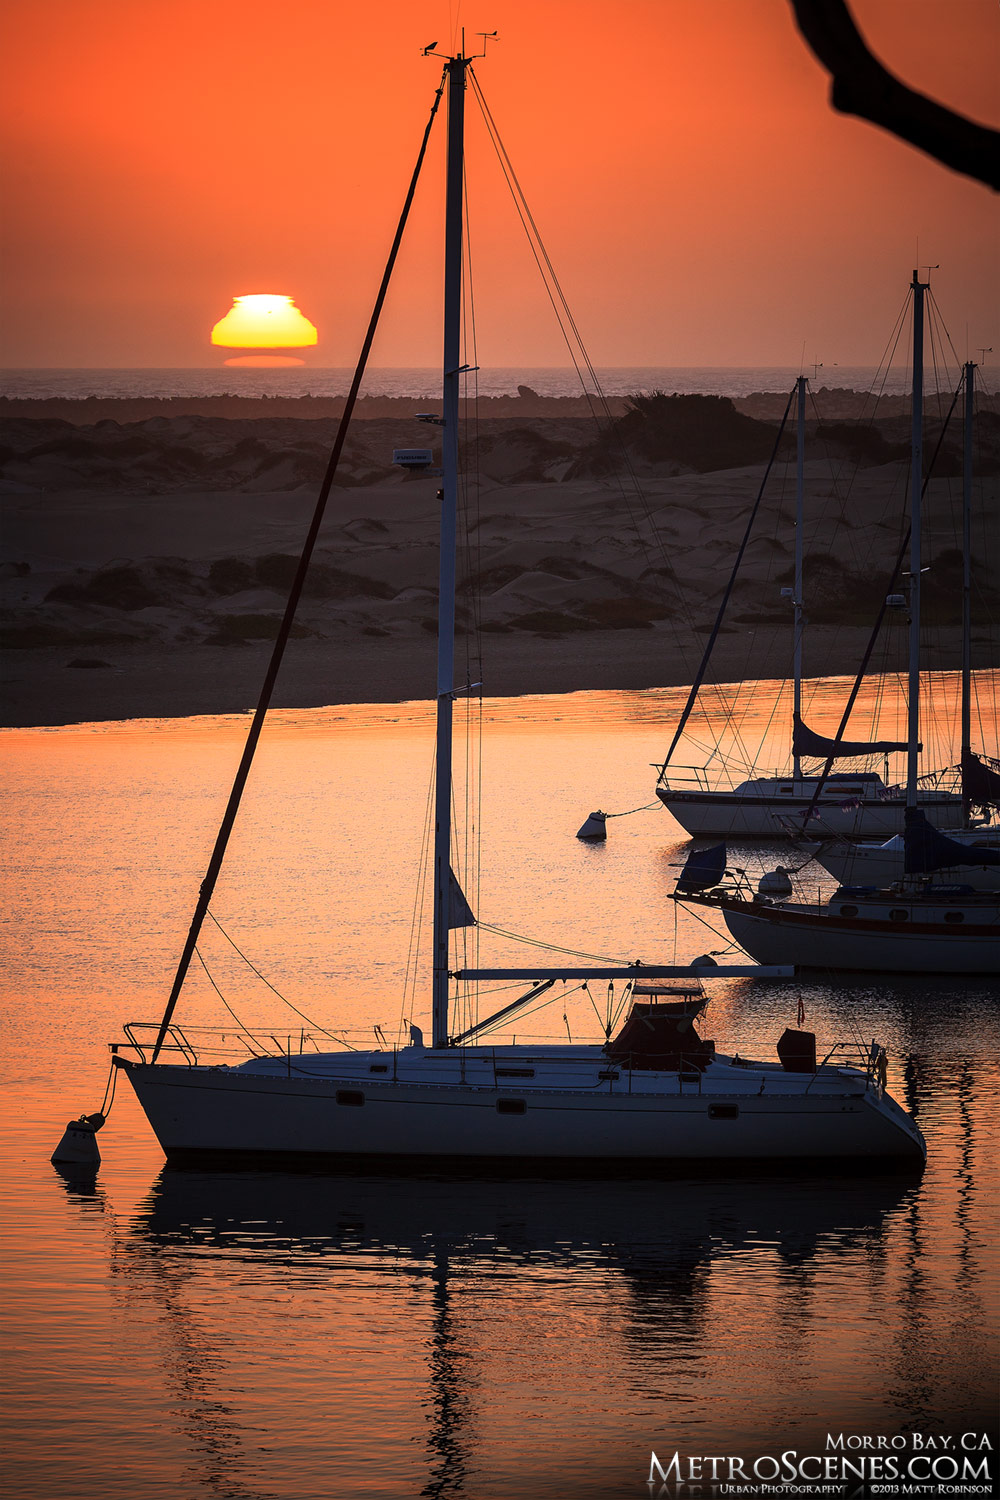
point(701, 202)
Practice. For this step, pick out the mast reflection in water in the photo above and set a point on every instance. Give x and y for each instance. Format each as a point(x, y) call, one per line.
point(546, 1330)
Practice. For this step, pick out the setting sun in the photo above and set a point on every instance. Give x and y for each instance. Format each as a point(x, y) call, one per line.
point(264, 321)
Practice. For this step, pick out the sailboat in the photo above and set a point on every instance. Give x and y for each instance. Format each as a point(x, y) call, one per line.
point(653, 1093)
point(849, 805)
point(880, 864)
point(912, 925)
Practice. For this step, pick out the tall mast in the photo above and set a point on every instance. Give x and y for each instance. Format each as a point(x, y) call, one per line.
point(798, 617)
point(456, 69)
point(970, 384)
point(916, 482)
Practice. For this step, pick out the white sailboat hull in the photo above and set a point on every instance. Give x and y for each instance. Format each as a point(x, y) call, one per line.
point(755, 814)
point(881, 864)
point(210, 1112)
point(814, 938)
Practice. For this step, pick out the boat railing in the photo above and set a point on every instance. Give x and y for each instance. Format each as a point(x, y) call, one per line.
point(207, 1046)
point(736, 882)
point(198, 1046)
point(686, 779)
point(174, 1040)
point(871, 1060)
point(948, 779)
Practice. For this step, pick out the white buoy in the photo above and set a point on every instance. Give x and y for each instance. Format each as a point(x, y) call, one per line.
point(775, 883)
point(595, 828)
point(79, 1143)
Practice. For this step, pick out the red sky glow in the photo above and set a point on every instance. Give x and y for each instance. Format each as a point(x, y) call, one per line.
point(702, 203)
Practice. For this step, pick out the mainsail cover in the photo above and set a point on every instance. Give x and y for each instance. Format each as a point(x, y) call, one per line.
point(980, 782)
point(926, 849)
point(704, 868)
point(806, 742)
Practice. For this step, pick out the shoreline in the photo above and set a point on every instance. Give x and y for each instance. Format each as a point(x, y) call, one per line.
point(141, 683)
point(828, 403)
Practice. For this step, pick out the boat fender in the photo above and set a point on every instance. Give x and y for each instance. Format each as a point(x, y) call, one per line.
point(775, 883)
point(595, 830)
point(79, 1142)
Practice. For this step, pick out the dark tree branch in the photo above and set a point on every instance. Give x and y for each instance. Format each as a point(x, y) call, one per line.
point(862, 86)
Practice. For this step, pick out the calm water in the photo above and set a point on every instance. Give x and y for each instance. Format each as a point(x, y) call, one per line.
point(258, 1336)
point(714, 381)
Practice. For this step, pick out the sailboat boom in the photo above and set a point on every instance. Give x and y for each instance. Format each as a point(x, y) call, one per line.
point(639, 971)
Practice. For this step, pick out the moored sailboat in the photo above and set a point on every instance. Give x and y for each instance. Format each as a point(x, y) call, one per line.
point(912, 925)
point(880, 864)
point(653, 1093)
point(850, 805)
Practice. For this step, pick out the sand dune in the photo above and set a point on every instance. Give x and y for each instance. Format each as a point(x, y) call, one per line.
point(147, 565)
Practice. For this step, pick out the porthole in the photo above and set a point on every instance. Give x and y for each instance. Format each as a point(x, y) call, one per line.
point(899, 914)
point(723, 1111)
point(350, 1096)
point(954, 916)
point(848, 911)
point(511, 1107)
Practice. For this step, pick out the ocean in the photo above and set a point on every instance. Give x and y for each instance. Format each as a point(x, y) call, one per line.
point(417, 382)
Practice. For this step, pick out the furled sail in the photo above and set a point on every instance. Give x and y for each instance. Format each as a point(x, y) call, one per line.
point(806, 742)
point(704, 868)
point(980, 781)
point(459, 911)
point(926, 849)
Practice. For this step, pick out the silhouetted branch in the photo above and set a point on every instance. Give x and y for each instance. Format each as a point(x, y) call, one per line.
point(862, 86)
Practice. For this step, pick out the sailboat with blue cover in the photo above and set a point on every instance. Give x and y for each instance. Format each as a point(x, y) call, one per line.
point(812, 796)
point(915, 924)
point(881, 864)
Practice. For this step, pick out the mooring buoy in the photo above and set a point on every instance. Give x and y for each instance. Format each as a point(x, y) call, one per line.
point(79, 1142)
point(595, 829)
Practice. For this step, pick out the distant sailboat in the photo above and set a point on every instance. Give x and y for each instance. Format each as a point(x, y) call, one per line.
point(853, 804)
point(880, 864)
point(911, 925)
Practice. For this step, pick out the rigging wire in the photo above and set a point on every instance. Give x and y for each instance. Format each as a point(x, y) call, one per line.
point(699, 676)
point(873, 637)
point(579, 355)
point(283, 998)
point(417, 917)
point(517, 937)
point(244, 1029)
point(285, 629)
point(544, 1002)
